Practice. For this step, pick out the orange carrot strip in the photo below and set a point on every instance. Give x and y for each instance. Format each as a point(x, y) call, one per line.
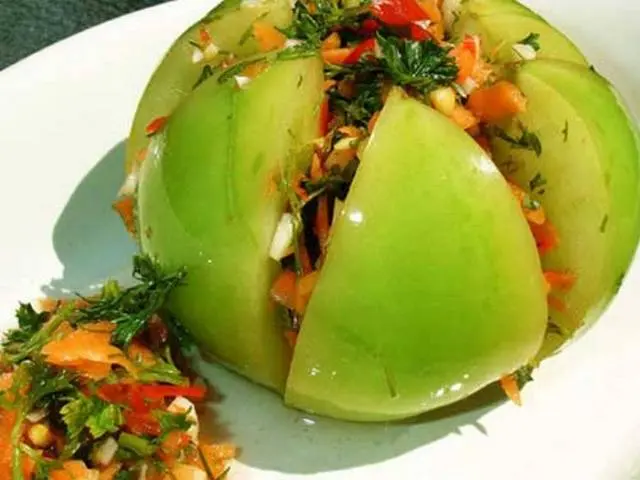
point(545, 236)
point(497, 102)
point(336, 56)
point(556, 304)
point(292, 337)
point(463, 117)
point(560, 280)
point(328, 84)
point(124, 207)
point(283, 290)
point(305, 260)
point(372, 121)
point(110, 472)
point(304, 289)
point(510, 387)
point(268, 37)
point(322, 222)
point(317, 171)
point(332, 42)
point(431, 9)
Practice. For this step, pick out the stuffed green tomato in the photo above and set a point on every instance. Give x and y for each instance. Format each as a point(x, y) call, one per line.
point(380, 212)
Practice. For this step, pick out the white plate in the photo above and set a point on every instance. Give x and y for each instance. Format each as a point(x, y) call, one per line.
point(64, 113)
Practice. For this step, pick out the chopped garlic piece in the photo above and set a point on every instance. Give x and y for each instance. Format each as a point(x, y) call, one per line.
point(106, 452)
point(469, 85)
point(283, 238)
point(524, 51)
point(444, 100)
point(197, 56)
point(182, 405)
point(129, 185)
point(242, 80)
point(210, 51)
point(292, 42)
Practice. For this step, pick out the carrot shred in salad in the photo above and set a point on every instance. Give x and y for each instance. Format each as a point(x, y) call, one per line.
point(94, 389)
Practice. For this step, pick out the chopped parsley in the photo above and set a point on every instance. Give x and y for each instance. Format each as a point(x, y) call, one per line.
point(132, 308)
point(526, 141)
point(537, 181)
point(533, 40)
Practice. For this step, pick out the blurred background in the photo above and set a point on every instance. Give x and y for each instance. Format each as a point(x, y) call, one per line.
point(29, 25)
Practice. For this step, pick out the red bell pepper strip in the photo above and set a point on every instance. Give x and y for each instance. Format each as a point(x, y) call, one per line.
point(359, 50)
point(155, 125)
point(369, 27)
point(398, 13)
point(163, 391)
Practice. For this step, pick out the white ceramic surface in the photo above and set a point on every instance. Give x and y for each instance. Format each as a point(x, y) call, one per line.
point(64, 113)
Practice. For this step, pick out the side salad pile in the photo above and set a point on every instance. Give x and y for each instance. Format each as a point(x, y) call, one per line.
point(100, 388)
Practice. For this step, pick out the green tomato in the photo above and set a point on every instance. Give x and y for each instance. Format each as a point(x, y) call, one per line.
point(206, 201)
point(432, 286)
point(228, 25)
point(588, 178)
point(503, 23)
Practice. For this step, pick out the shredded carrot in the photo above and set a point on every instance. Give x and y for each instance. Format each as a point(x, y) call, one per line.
point(124, 206)
point(110, 472)
point(466, 56)
point(297, 187)
point(497, 102)
point(545, 236)
point(332, 42)
point(304, 289)
point(510, 387)
point(268, 37)
point(72, 470)
point(431, 9)
point(291, 337)
point(217, 457)
point(556, 304)
point(324, 118)
point(560, 280)
point(328, 84)
point(372, 121)
point(283, 290)
point(254, 69)
point(533, 215)
point(322, 222)
point(305, 260)
point(340, 158)
point(155, 125)
point(91, 353)
point(317, 172)
point(336, 56)
point(137, 352)
point(463, 117)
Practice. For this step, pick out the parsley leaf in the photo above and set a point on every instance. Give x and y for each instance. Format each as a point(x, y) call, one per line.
point(97, 416)
point(160, 372)
point(313, 27)
point(533, 40)
point(173, 421)
point(132, 308)
point(527, 140)
point(421, 65)
point(29, 322)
